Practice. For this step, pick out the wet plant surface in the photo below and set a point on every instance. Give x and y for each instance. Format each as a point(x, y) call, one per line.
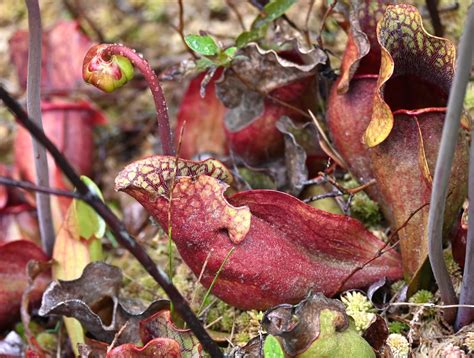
point(270, 198)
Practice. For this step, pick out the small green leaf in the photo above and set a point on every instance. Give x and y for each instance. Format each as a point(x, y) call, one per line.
point(272, 11)
point(272, 348)
point(204, 63)
point(90, 223)
point(249, 36)
point(204, 45)
point(230, 51)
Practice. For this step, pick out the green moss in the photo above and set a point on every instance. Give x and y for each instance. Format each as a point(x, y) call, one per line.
point(451, 265)
point(421, 296)
point(397, 286)
point(362, 207)
point(47, 341)
point(398, 327)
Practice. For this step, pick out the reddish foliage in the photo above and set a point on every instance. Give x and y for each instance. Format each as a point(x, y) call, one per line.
point(64, 47)
point(204, 118)
point(283, 247)
point(459, 242)
point(391, 98)
point(67, 123)
point(160, 324)
point(156, 348)
point(259, 139)
point(17, 218)
point(70, 127)
point(350, 101)
point(14, 257)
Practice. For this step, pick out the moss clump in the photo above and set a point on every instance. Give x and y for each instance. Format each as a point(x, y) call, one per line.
point(399, 345)
point(359, 308)
point(452, 266)
point(397, 286)
point(247, 325)
point(47, 341)
point(224, 313)
point(362, 207)
point(421, 296)
point(397, 327)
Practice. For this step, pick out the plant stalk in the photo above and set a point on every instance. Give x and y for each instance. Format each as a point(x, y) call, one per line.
point(466, 56)
point(449, 138)
point(33, 101)
point(438, 28)
point(117, 227)
point(160, 102)
point(39, 189)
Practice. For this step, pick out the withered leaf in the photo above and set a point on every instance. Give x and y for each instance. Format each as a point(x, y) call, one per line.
point(299, 325)
point(14, 257)
point(98, 290)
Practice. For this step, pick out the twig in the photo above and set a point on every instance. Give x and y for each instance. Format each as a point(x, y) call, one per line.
point(170, 204)
point(180, 29)
point(33, 100)
point(232, 6)
point(204, 265)
point(383, 249)
point(39, 189)
point(435, 20)
point(306, 22)
point(429, 305)
point(466, 55)
point(443, 169)
point(215, 279)
point(77, 12)
point(117, 336)
point(116, 226)
point(323, 23)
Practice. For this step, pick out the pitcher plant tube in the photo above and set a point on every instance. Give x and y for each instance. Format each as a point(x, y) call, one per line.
point(283, 248)
point(350, 100)
point(404, 132)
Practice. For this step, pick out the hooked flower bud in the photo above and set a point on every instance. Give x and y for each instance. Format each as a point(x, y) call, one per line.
point(106, 72)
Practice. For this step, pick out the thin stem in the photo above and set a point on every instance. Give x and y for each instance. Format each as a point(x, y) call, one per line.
point(306, 22)
point(116, 226)
point(33, 103)
point(160, 102)
point(466, 55)
point(435, 20)
point(206, 295)
point(180, 28)
point(234, 9)
point(39, 189)
point(443, 168)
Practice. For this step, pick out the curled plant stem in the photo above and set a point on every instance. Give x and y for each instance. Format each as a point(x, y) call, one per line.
point(116, 226)
point(443, 171)
point(466, 56)
point(33, 101)
point(160, 102)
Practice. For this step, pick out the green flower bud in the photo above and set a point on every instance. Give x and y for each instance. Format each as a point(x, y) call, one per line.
point(106, 72)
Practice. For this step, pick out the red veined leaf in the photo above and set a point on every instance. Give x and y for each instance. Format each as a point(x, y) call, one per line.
point(203, 120)
point(64, 47)
point(283, 247)
point(14, 257)
point(156, 348)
